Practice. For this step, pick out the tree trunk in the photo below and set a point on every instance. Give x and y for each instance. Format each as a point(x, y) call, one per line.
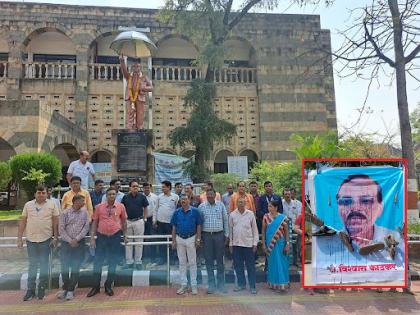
point(403, 112)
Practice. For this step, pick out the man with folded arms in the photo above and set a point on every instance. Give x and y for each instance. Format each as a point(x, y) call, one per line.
point(73, 227)
point(136, 206)
point(215, 236)
point(109, 224)
point(186, 236)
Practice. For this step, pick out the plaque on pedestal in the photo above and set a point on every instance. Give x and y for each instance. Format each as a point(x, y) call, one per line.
point(132, 151)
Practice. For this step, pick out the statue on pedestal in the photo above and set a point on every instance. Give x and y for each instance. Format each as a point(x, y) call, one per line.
point(138, 85)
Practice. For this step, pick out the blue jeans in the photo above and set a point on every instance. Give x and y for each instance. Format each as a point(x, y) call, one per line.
point(71, 259)
point(38, 256)
point(241, 256)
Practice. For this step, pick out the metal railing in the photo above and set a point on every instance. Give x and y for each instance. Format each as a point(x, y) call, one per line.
point(49, 70)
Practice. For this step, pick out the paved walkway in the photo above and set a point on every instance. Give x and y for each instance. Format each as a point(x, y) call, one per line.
point(163, 300)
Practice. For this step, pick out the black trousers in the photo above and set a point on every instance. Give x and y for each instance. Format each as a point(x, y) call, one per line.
point(214, 250)
point(164, 229)
point(108, 248)
point(38, 257)
point(71, 259)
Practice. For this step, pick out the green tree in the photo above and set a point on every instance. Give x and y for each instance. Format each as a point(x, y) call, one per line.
point(415, 128)
point(203, 129)
point(209, 23)
point(319, 146)
point(31, 169)
point(282, 175)
point(220, 181)
point(5, 175)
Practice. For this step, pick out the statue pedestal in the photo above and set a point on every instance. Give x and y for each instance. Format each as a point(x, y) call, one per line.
point(134, 158)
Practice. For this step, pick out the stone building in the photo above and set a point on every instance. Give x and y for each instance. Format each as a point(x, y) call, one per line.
point(56, 68)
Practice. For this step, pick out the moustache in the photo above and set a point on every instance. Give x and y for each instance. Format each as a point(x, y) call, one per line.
point(356, 214)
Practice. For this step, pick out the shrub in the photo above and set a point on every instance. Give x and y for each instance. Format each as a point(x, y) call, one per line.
point(282, 175)
point(31, 169)
point(5, 175)
point(220, 181)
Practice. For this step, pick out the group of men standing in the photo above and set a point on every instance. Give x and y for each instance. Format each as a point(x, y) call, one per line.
point(208, 220)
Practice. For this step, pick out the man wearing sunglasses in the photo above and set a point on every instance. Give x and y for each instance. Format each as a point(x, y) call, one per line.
point(359, 200)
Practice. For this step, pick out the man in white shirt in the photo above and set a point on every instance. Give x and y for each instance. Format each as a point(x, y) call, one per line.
point(162, 216)
point(291, 208)
point(152, 198)
point(81, 168)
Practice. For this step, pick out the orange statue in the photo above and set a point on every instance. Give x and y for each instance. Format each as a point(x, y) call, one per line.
point(137, 87)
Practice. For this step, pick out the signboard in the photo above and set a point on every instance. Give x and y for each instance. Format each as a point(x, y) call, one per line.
point(238, 165)
point(170, 167)
point(367, 205)
point(131, 151)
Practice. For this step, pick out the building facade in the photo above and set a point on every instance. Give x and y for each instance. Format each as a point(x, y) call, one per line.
point(273, 84)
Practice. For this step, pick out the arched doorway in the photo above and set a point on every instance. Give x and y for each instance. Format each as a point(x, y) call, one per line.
point(101, 157)
point(66, 153)
point(220, 161)
point(252, 157)
point(6, 150)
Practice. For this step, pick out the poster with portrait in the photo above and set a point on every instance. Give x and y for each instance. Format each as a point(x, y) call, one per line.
point(365, 205)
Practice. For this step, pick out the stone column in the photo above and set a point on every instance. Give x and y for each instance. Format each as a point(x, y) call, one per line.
point(81, 92)
point(15, 70)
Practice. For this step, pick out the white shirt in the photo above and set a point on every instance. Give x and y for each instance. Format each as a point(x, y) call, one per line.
point(243, 229)
point(165, 208)
point(119, 197)
point(152, 198)
point(76, 168)
point(292, 209)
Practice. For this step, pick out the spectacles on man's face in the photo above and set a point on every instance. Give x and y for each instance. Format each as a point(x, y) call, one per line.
point(349, 201)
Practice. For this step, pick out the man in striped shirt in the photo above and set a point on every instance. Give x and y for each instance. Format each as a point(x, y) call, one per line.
point(73, 227)
point(215, 235)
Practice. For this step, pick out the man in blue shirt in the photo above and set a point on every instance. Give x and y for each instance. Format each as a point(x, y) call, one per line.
point(262, 206)
point(186, 236)
point(97, 194)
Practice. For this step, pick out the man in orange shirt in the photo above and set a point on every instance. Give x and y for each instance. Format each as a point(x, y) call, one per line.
point(109, 224)
point(67, 201)
point(241, 193)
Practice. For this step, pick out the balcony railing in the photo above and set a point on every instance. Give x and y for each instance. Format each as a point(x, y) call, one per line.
point(3, 69)
point(112, 72)
point(49, 70)
point(105, 72)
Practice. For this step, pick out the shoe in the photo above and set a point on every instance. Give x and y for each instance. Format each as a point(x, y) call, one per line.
point(93, 292)
point(210, 290)
point(237, 289)
point(41, 293)
point(61, 295)
point(346, 241)
point(29, 295)
point(194, 290)
point(128, 266)
point(69, 296)
point(313, 219)
point(324, 231)
point(369, 249)
point(139, 266)
point(109, 291)
point(182, 290)
point(253, 291)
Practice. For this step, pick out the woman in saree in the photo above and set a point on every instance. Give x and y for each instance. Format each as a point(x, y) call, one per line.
point(275, 239)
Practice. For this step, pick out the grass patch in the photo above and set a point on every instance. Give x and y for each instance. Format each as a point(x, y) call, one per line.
point(414, 228)
point(10, 214)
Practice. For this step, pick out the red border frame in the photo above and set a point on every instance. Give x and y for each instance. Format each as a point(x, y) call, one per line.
point(404, 161)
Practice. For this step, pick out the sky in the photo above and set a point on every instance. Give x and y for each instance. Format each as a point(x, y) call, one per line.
point(382, 116)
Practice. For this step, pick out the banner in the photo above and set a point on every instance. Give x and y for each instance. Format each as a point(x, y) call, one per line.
point(170, 167)
point(367, 205)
